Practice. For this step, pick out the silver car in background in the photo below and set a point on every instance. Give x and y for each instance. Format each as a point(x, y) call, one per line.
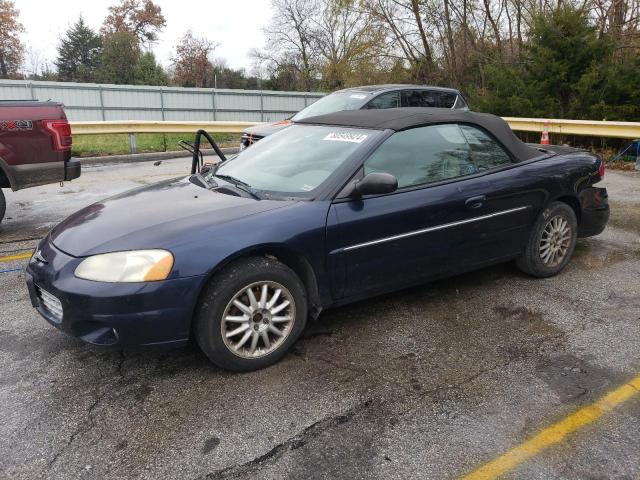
point(367, 97)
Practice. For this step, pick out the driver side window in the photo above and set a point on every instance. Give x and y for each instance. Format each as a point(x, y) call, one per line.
point(423, 155)
point(436, 152)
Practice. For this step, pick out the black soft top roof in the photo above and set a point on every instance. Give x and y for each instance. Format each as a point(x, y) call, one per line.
point(404, 118)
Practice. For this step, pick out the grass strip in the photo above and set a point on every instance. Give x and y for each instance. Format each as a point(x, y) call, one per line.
point(118, 144)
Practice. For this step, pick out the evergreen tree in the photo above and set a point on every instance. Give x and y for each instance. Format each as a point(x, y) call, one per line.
point(565, 70)
point(149, 72)
point(119, 59)
point(78, 54)
point(564, 49)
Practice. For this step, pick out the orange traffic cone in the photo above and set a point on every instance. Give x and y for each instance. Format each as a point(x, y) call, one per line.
point(544, 139)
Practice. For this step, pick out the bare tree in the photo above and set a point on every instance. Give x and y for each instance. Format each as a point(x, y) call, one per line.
point(346, 43)
point(404, 25)
point(336, 43)
point(192, 64)
point(36, 65)
point(620, 18)
point(290, 43)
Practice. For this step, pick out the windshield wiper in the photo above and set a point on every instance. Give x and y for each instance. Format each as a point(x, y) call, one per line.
point(245, 187)
point(230, 179)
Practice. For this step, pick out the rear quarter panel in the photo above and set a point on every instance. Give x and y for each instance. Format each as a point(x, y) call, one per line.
point(566, 175)
point(574, 171)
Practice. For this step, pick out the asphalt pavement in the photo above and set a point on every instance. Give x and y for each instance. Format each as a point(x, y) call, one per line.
point(492, 369)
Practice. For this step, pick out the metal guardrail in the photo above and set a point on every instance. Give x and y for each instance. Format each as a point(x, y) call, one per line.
point(590, 128)
point(142, 126)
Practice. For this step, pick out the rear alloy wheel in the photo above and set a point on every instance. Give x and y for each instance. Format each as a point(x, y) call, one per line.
point(250, 314)
point(551, 243)
point(555, 241)
point(3, 205)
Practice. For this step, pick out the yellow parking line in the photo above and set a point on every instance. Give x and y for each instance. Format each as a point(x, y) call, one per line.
point(555, 433)
point(17, 256)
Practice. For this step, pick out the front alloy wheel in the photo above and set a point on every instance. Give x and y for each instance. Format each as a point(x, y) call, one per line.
point(258, 319)
point(250, 314)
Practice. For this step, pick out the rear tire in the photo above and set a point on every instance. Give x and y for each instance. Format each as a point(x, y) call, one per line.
point(551, 242)
point(250, 314)
point(3, 205)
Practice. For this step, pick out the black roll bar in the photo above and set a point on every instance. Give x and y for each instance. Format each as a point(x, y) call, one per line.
point(197, 157)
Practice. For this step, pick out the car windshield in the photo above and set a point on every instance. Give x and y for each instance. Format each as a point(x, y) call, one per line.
point(294, 161)
point(350, 100)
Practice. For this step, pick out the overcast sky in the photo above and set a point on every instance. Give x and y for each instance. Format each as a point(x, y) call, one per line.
point(235, 25)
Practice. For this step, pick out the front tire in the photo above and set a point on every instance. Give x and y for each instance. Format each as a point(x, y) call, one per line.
point(551, 242)
point(250, 314)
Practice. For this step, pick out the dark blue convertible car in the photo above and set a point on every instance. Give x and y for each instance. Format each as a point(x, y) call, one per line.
point(331, 210)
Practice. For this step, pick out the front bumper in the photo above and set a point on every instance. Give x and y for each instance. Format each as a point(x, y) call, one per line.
point(123, 314)
point(595, 211)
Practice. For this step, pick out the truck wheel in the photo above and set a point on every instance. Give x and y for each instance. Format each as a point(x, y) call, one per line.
point(3, 205)
point(551, 242)
point(250, 314)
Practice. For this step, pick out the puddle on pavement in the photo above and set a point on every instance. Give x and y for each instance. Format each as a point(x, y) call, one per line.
point(573, 378)
point(595, 253)
point(626, 217)
point(442, 336)
point(618, 301)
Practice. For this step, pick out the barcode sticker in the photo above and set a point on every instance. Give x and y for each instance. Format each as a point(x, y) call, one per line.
point(346, 137)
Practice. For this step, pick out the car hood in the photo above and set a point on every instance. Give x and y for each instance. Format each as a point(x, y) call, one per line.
point(154, 216)
point(266, 129)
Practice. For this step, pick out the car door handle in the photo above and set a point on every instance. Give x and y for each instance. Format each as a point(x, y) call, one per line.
point(475, 202)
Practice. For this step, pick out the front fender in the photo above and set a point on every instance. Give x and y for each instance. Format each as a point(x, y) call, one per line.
point(298, 227)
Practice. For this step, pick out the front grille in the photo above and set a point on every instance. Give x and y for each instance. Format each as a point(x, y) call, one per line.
point(249, 139)
point(50, 304)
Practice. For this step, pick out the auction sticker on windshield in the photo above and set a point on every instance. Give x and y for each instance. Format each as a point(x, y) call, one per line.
point(345, 137)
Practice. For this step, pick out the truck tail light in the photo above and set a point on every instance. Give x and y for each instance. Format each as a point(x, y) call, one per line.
point(601, 169)
point(60, 131)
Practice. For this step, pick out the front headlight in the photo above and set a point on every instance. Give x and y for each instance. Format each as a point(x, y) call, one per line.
point(132, 266)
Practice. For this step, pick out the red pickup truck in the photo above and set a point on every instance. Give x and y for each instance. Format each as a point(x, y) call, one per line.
point(35, 146)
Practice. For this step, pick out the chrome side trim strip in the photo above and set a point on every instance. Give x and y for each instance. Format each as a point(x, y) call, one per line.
point(433, 229)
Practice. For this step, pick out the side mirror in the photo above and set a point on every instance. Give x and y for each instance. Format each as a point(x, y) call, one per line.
point(376, 183)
